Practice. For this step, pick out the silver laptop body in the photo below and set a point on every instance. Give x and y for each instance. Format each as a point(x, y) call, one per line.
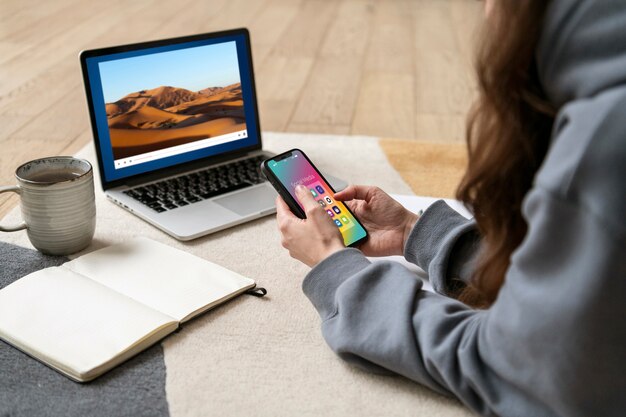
point(206, 216)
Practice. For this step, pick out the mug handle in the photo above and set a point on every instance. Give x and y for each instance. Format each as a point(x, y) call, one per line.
point(21, 226)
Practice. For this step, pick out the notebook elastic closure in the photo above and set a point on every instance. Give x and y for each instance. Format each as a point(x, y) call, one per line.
point(257, 292)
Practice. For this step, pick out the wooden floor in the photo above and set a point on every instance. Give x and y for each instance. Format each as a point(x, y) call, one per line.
point(392, 68)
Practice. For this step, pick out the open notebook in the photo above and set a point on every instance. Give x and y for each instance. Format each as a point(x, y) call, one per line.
point(93, 313)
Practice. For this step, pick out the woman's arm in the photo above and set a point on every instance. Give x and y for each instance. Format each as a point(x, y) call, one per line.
point(442, 242)
point(552, 344)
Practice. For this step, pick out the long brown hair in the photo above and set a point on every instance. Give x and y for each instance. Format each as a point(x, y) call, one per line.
point(508, 134)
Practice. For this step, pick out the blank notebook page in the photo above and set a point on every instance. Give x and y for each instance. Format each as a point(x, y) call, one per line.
point(169, 280)
point(72, 321)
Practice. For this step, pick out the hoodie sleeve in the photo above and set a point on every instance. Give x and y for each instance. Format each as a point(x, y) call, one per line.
point(551, 344)
point(444, 244)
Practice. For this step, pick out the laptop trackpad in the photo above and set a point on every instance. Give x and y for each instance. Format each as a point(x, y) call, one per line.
point(250, 201)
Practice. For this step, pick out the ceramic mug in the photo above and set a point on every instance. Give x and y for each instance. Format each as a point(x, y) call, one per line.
point(57, 202)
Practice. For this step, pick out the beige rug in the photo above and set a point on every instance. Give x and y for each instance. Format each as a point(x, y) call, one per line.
point(266, 357)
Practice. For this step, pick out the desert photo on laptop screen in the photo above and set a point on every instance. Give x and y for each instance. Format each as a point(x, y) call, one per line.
point(166, 103)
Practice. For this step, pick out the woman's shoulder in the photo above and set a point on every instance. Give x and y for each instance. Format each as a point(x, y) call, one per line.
point(586, 162)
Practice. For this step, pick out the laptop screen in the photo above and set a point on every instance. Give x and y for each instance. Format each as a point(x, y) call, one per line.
point(162, 106)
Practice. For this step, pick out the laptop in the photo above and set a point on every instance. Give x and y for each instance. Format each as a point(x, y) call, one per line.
point(176, 130)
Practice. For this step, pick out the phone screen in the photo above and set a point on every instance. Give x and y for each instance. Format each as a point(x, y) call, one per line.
point(296, 169)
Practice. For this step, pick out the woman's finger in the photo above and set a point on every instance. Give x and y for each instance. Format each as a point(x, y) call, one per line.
point(306, 199)
point(355, 192)
point(351, 204)
point(282, 209)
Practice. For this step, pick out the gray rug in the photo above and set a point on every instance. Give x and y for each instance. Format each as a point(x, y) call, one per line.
point(29, 388)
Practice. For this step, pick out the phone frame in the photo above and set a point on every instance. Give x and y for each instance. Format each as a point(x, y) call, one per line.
point(291, 201)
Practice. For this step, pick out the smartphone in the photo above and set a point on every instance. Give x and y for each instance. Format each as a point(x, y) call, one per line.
point(292, 168)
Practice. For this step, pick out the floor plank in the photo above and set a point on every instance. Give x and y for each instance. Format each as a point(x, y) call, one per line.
point(386, 104)
point(19, 35)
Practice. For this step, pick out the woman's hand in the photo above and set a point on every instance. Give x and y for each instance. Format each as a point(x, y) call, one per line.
point(387, 221)
point(308, 240)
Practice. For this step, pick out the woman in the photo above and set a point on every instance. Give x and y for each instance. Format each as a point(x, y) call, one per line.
point(529, 315)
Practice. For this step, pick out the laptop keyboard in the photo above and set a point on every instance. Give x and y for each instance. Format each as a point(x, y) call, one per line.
point(200, 185)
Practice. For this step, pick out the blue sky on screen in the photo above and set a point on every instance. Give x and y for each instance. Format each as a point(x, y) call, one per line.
point(193, 68)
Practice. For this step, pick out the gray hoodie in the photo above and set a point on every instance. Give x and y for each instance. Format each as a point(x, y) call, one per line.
point(554, 342)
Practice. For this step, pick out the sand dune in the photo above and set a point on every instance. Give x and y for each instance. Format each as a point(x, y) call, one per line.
point(131, 142)
point(224, 95)
point(210, 91)
point(213, 90)
point(127, 104)
point(163, 97)
point(209, 104)
point(160, 98)
point(146, 117)
point(154, 119)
